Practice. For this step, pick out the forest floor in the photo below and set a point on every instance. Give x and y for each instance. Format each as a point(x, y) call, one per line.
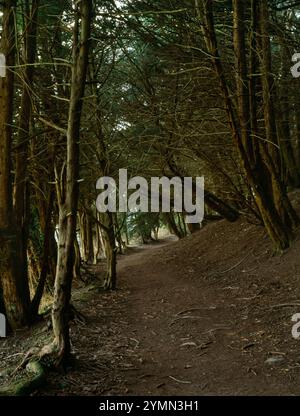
point(207, 315)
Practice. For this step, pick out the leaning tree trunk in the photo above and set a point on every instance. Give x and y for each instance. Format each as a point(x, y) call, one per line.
point(68, 193)
point(107, 228)
point(15, 290)
point(273, 221)
point(99, 244)
point(210, 199)
point(272, 157)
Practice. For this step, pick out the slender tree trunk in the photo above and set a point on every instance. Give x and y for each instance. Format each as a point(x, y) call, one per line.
point(46, 218)
point(126, 230)
point(182, 225)
point(242, 85)
point(82, 230)
point(44, 264)
point(108, 234)
point(77, 260)
point(68, 194)
point(99, 244)
point(90, 243)
point(108, 231)
point(118, 233)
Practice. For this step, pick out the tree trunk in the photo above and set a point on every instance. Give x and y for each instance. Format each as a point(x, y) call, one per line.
point(82, 231)
point(211, 200)
point(118, 233)
point(14, 286)
point(99, 249)
point(77, 261)
point(45, 263)
point(68, 192)
point(108, 234)
point(107, 231)
point(89, 240)
point(22, 183)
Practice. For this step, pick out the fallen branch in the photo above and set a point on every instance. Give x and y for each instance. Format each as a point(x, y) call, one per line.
point(285, 305)
point(231, 268)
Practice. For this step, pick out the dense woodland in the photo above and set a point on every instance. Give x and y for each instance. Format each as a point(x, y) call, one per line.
point(160, 88)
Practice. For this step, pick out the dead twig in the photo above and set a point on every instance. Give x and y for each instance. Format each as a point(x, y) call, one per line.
point(187, 317)
point(180, 381)
point(188, 310)
point(231, 268)
point(220, 328)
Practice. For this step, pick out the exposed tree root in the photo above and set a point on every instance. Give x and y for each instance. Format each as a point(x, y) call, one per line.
point(75, 315)
point(36, 373)
point(36, 363)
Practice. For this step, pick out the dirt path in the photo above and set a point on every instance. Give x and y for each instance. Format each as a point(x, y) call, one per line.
point(174, 329)
point(187, 335)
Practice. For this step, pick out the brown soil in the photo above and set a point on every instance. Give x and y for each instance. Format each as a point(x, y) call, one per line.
point(200, 316)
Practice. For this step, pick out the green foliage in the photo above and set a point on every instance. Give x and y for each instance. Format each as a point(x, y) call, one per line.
point(142, 225)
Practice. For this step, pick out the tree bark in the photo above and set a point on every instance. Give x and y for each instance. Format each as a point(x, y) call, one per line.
point(108, 234)
point(15, 291)
point(89, 240)
point(68, 192)
point(22, 183)
point(44, 268)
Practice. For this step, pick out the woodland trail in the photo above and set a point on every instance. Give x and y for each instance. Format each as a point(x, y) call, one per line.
point(184, 334)
point(168, 332)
